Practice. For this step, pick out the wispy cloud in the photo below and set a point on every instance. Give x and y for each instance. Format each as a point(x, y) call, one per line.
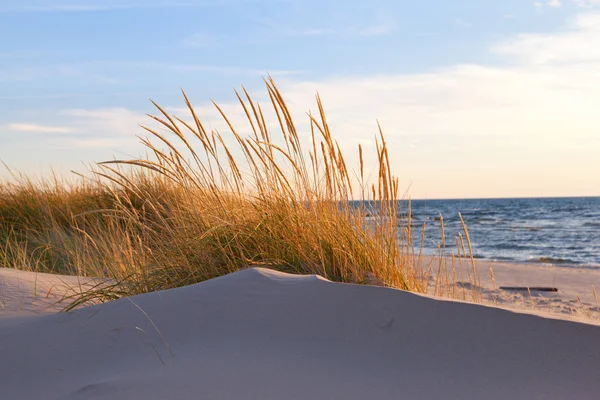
point(54, 96)
point(586, 3)
point(580, 43)
point(25, 127)
point(483, 115)
point(100, 71)
point(63, 70)
point(378, 25)
point(486, 114)
point(98, 143)
point(222, 70)
point(304, 30)
point(113, 121)
point(554, 3)
point(79, 128)
point(545, 92)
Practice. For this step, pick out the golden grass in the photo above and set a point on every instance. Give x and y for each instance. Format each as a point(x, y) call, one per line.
point(206, 203)
point(203, 205)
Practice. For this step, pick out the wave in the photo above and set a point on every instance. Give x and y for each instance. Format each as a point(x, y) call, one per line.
point(566, 209)
point(526, 228)
point(516, 246)
point(467, 256)
point(485, 220)
point(553, 260)
point(503, 258)
point(476, 212)
point(533, 228)
point(591, 224)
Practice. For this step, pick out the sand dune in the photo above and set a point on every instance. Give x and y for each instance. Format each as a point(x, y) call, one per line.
point(25, 293)
point(259, 334)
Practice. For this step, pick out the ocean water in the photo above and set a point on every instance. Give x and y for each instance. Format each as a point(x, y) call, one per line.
point(559, 231)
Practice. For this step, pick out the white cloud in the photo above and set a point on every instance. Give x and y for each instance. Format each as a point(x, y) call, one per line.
point(464, 130)
point(586, 3)
point(82, 128)
point(106, 127)
point(464, 101)
point(580, 42)
point(25, 127)
point(554, 3)
point(528, 128)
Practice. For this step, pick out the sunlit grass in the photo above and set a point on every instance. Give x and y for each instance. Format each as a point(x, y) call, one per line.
point(200, 206)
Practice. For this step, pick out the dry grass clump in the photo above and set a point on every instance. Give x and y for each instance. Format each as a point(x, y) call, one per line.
point(202, 206)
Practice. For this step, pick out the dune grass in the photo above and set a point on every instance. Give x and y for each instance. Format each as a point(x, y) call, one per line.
point(205, 203)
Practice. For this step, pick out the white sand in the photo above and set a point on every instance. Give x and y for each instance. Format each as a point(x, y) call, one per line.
point(24, 293)
point(574, 300)
point(259, 334)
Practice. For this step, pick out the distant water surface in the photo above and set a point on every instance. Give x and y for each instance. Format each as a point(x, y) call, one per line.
point(559, 231)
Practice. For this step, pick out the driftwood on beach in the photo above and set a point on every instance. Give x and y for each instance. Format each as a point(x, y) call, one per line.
point(530, 288)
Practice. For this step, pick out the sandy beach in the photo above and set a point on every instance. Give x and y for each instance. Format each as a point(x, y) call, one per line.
point(575, 298)
point(261, 334)
point(281, 200)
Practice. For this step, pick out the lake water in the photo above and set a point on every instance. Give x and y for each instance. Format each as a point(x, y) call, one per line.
point(559, 231)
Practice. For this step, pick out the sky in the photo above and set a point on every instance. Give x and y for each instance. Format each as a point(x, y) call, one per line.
point(476, 98)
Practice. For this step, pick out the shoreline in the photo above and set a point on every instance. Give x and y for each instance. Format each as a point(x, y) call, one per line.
point(575, 299)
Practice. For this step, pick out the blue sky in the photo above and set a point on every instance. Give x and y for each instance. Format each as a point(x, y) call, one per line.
point(477, 98)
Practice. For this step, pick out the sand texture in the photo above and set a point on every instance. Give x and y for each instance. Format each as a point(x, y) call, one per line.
point(260, 334)
point(24, 293)
point(574, 299)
